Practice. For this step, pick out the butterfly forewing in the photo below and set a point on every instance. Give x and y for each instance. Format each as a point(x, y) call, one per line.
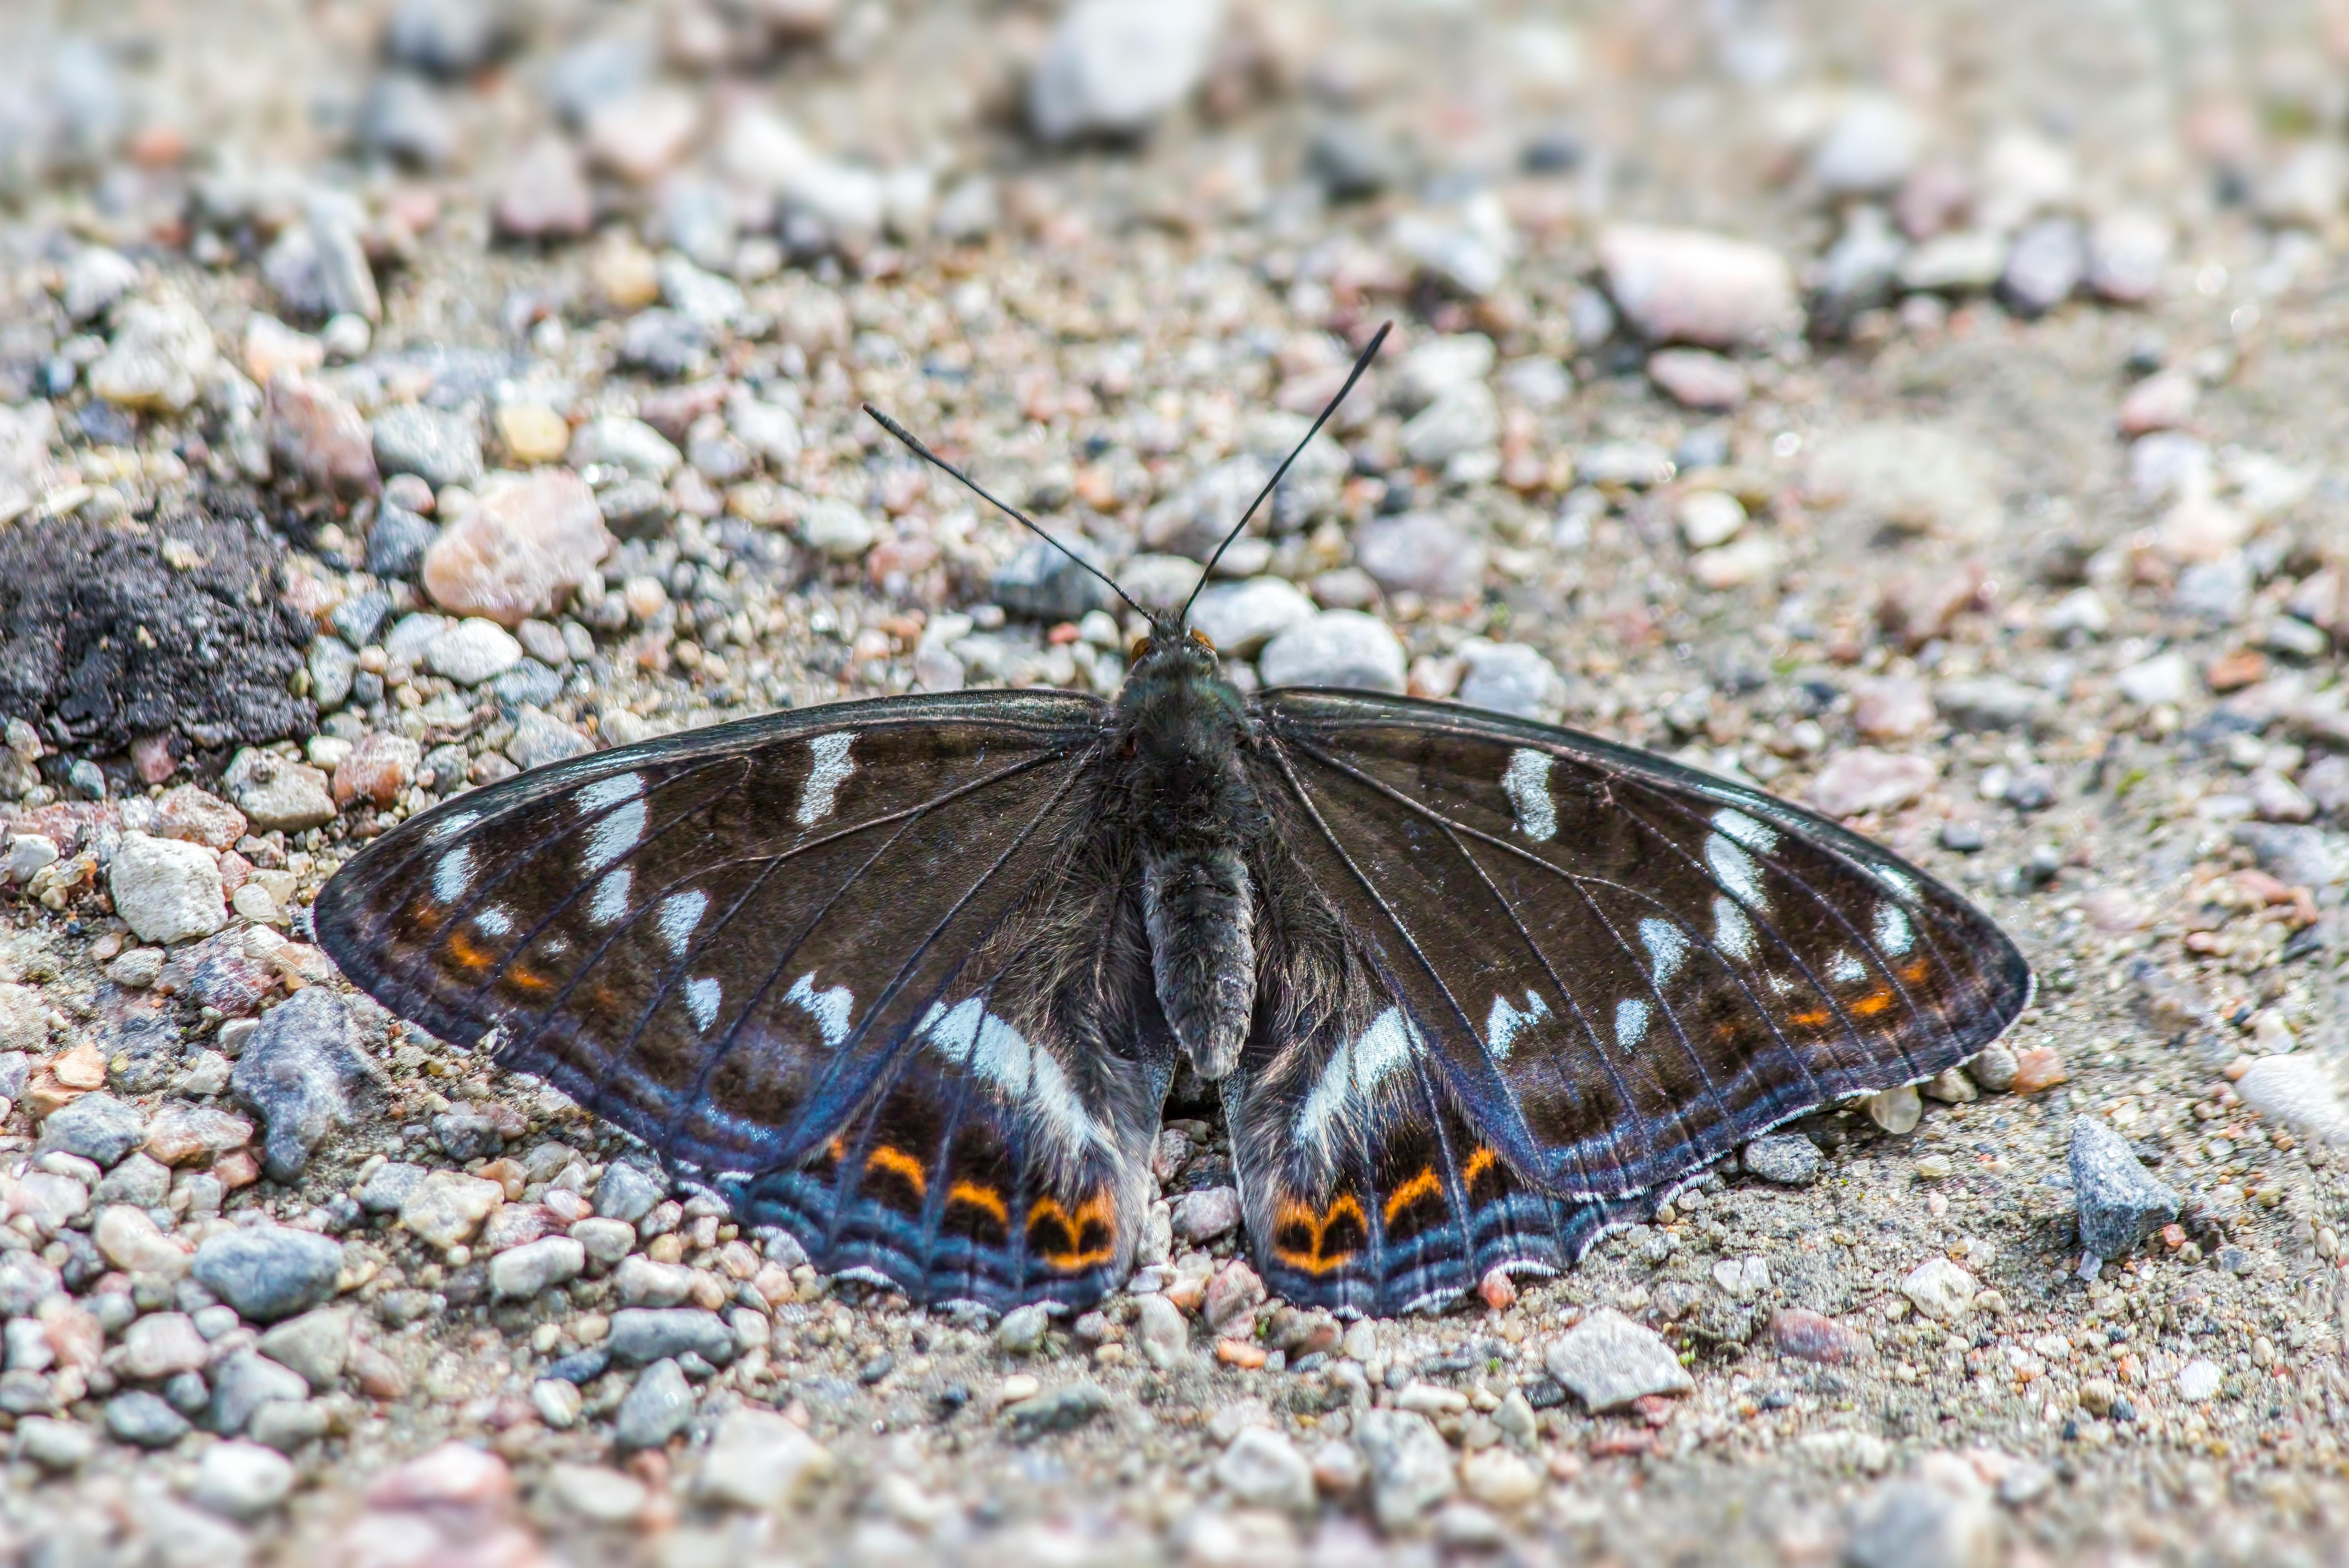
point(1626, 967)
point(785, 953)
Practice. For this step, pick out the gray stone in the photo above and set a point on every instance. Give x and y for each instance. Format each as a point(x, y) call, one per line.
point(1510, 678)
point(631, 444)
point(1042, 581)
point(540, 739)
point(1607, 1361)
point(396, 542)
point(1114, 67)
point(837, 529)
point(471, 651)
point(1206, 1214)
point(1162, 1331)
point(385, 1191)
point(1959, 263)
point(95, 279)
point(1241, 618)
point(161, 353)
point(1914, 1522)
point(1466, 418)
point(276, 794)
point(1789, 1158)
point(286, 1425)
point(2046, 263)
point(2120, 1202)
point(443, 448)
point(167, 889)
point(144, 1420)
point(628, 1192)
point(1993, 702)
point(1337, 648)
point(404, 119)
point(522, 1272)
point(314, 1345)
point(448, 37)
point(1410, 1467)
point(54, 1445)
point(1262, 1469)
point(139, 1181)
point(1869, 149)
point(655, 1409)
point(1056, 1410)
point(333, 667)
point(318, 268)
point(1424, 552)
point(1993, 1069)
point(1021, 1332)
point(300, 1074)
point(668, 342)
point(97, 1127)
point(241, 1480)
point(466, 1136)
point(243, 1383)
point(269, 1272)
point(641, 1336)
point(762, 1461)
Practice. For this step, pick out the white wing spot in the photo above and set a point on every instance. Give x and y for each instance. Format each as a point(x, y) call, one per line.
point(1746, 830)
point(1893, 933)
point(611, 899)
point(1630, 1022)
point(452, 874)
point(701, 996)
point(613, 836)
point(606, 792)
point(1354, 1072)
point(1731, 931)
point(554, 944)
point(680, 912)
point(972, 1037)
point(828, 771)
point(450, 827)
point(1904, 886)
point(1734, 869)
point(1845, 970)
point(1527, 785)
point(491, 920)
point(1666, 946)
point(831, 1009)
point(1507, 1021)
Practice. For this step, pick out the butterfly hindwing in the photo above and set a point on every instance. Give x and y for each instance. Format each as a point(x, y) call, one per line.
point(789, 955)
point(1597, 968)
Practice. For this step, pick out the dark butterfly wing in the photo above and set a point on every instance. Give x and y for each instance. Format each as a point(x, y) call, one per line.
point(862, 967)
point(1552, 970)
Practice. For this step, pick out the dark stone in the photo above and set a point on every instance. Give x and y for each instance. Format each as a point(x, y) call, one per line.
point(2120, 1202)
point(359, 618)
point(142, 1052)
point(581, 1366)
point(396, 544)
point(144, 1420)
point(528, 682)
point(635, 509)
point(1042, 581)
point(269, 1272)
point(469, 1287)
point(75, 597)
point(300, 1074)
point(95, 1126)
point(643, 1335)
point(449, 38)
point(218, 972)
point(664, 342)
point(402, 118)
point(466, 1135)
point(1057, 1411)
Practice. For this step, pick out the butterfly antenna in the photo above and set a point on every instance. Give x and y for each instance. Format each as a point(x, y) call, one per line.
point(1273, 483)
point(915, 444)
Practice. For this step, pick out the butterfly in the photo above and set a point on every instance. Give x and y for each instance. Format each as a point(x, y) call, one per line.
point(909, 978)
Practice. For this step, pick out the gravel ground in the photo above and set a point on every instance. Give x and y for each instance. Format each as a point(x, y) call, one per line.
point(1929, 413)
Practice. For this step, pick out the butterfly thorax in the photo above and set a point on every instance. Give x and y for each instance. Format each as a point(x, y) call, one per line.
point(1181, 732)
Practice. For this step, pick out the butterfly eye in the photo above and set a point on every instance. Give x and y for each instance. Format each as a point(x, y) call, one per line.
point(1200, 637)
point(1140, 646)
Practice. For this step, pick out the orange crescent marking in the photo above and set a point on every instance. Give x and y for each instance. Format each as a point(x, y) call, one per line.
point(885, 1158)
point(977, 1197)
point(1818, 1017)
point(1411, 1192)
point(466, 956)
point(1875, 1002)
point(1072, 1226)
point(524, 978)
point(1478, 1163)
point(1293, 1212)
point(1914, 974)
